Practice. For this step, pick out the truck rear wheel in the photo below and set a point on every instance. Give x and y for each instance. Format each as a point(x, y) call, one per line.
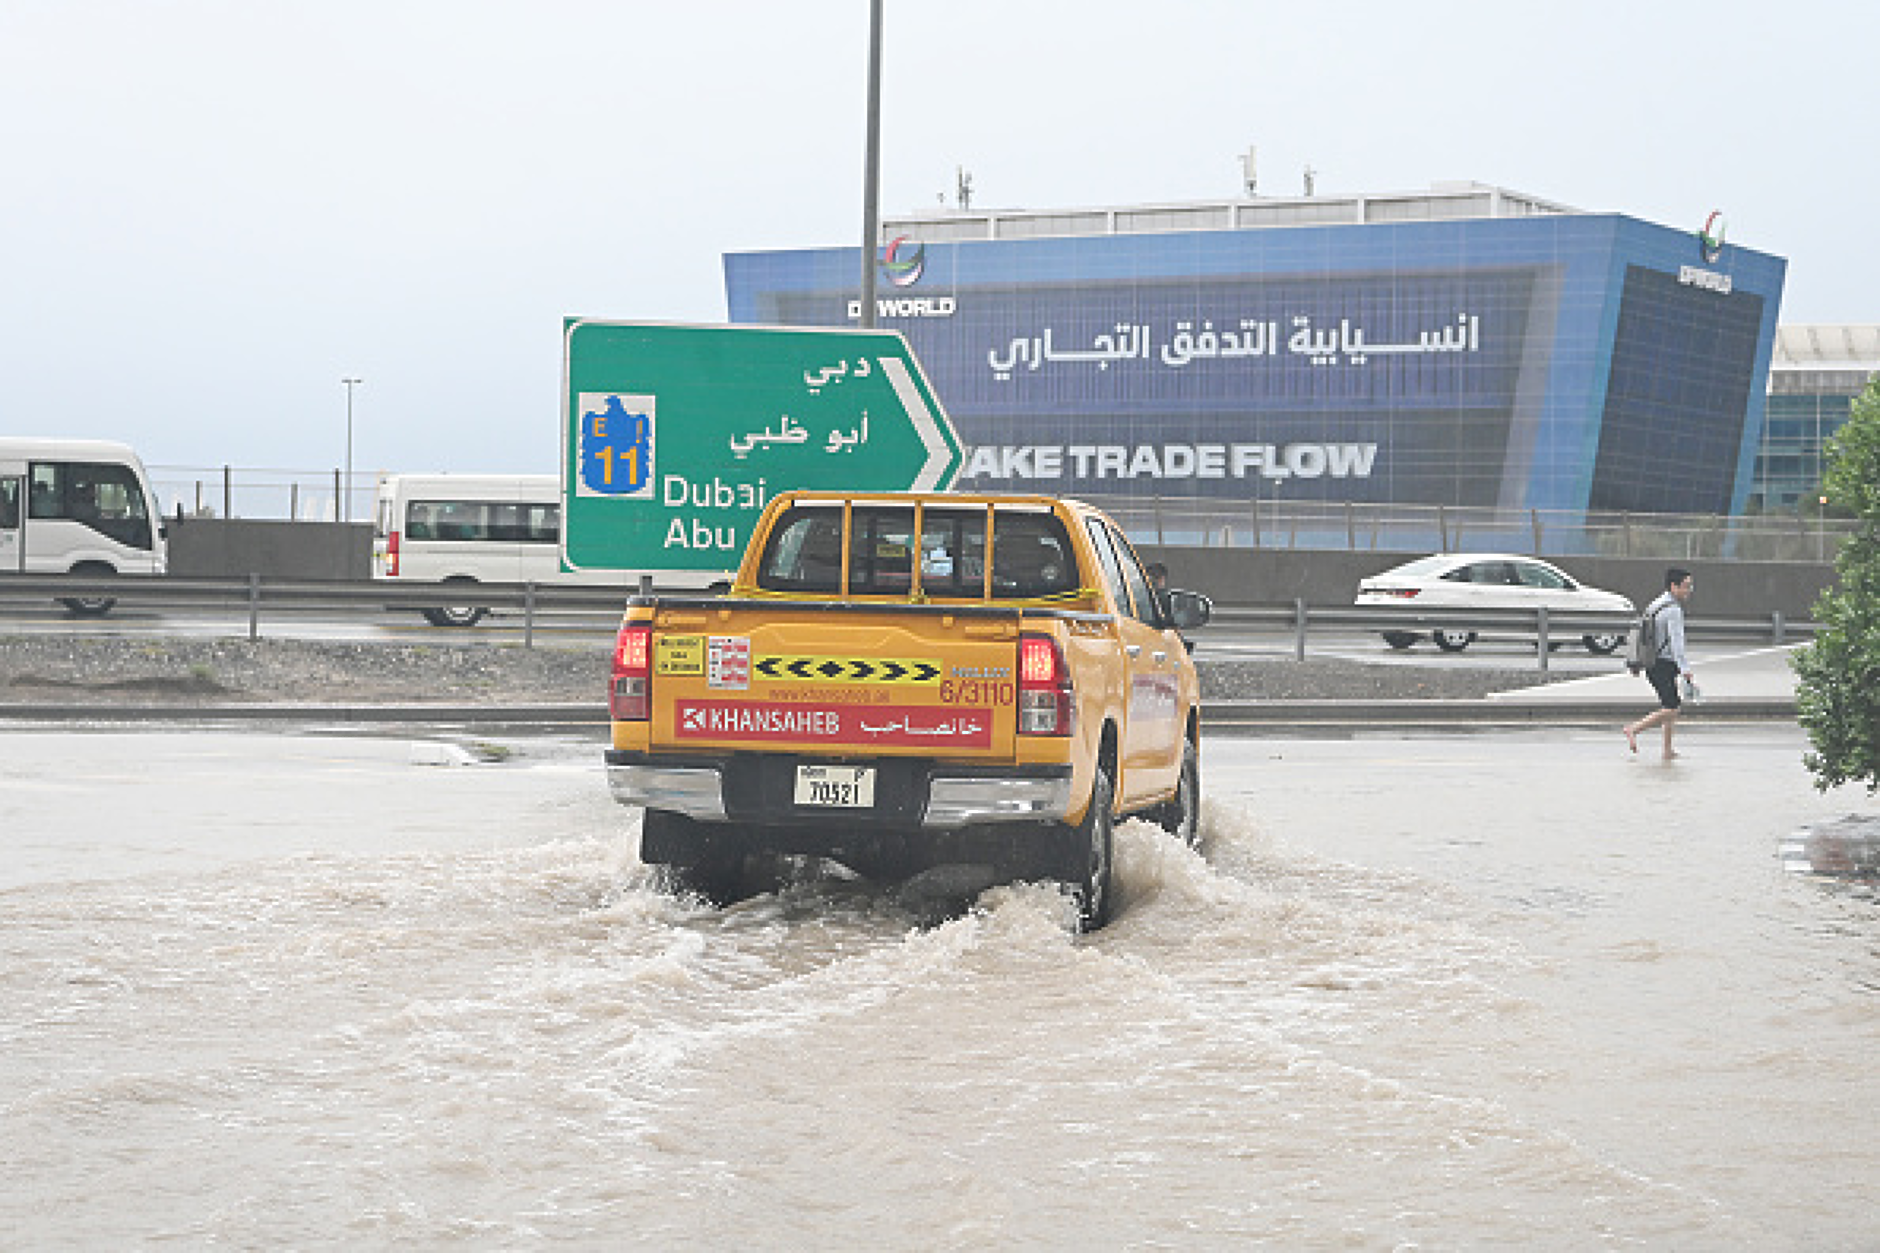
point(710, 860)
point(1088, 855)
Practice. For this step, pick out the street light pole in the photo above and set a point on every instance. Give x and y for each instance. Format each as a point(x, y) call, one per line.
point(871, 167)
point(345, 508)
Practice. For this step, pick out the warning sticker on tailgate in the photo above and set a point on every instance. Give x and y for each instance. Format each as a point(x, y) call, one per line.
point(679, 654)
point(724, 660)
point(729, 661)
point(934, 727)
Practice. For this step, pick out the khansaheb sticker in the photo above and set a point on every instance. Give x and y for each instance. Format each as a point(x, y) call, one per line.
point(903, 726)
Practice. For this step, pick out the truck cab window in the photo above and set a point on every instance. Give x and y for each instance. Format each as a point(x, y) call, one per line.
point(804, 554)
point(1148, 604)
point(1031, 556)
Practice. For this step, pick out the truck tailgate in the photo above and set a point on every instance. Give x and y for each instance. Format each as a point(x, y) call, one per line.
point(836, 680)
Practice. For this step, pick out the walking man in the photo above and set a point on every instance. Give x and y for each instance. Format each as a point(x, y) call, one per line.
point(1665, 618)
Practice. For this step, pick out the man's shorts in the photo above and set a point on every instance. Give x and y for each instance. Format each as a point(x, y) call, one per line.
point(1664, 681)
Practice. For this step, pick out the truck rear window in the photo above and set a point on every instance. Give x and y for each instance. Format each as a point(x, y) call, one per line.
point(1031, 554)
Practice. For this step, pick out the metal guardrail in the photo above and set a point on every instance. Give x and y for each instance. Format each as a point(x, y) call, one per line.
point(542, 606)
point(255, 596)
point(1549, 628)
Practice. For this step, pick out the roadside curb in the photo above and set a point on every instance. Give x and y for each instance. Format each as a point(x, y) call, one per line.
point(574, 714)
point(1485, 712)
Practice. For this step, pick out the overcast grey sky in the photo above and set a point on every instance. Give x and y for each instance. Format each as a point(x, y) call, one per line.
point(213, 210)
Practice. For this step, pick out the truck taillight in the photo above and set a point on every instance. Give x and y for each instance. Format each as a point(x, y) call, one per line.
point(391, 555)
point(630, 698)
point(1047, 705)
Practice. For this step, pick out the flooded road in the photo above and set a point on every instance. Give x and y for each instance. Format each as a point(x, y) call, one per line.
point(1443, 990)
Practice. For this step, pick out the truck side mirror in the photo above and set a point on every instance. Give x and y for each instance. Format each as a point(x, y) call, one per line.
point(1189, 610)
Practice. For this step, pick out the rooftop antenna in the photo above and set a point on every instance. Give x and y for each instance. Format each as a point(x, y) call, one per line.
point(1249, 171)
point(965, 184)
point(1311, 174)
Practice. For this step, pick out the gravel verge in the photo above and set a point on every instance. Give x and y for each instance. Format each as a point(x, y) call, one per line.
point(103, 670)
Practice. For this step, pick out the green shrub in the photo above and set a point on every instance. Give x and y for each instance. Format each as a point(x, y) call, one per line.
point(1838, 692)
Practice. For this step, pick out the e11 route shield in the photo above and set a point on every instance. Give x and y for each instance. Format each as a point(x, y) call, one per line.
point(675, 437)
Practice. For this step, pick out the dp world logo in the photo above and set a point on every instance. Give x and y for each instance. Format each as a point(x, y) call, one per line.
point(1710, 239)
point(903, 261)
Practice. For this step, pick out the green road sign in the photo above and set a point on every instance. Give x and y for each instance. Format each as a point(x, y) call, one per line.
point(676, 437)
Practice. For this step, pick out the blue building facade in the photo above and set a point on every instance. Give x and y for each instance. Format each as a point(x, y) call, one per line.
point(1551, 360)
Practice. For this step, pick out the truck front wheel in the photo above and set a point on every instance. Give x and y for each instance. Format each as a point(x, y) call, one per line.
point(1181, 816)
point(1088, 852)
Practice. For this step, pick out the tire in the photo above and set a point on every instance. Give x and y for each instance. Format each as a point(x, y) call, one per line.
point(456, 615)
point(1602, 645)
point(1452, 641)
point(694, 860)
point(1089, 854)
point(1181, 817)
point(90, 606)
point(1399, 639)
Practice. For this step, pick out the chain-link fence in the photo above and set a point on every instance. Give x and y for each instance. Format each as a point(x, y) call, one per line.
point(1355, 527)
point(249, 492)
point(327, 496)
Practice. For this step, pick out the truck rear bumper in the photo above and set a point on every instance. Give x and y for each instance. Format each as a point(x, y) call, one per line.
point(960, 800)
point(923, 794)
point(696, 792)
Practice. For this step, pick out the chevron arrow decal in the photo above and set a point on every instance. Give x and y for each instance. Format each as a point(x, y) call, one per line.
point(779, 668)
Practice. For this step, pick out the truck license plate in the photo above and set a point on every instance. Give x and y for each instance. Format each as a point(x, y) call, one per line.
point(836, 787)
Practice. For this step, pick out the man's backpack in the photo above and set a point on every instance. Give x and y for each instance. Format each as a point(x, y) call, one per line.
point(1641, 645)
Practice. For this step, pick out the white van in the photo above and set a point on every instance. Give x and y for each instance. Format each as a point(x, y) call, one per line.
point(479, 528)
point(77, 506)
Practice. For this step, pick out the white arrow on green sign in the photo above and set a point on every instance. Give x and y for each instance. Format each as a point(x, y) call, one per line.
point(675, 437)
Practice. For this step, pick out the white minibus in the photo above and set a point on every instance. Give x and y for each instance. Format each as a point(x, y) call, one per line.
point(77, 506)
point(480, 528)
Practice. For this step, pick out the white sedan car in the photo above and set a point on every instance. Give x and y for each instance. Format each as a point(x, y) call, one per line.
point(1488, 581)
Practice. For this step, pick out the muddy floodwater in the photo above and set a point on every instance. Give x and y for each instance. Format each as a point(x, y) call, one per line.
point(266, 990)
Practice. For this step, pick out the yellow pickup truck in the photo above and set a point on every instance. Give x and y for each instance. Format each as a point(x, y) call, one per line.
point(905, 682)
